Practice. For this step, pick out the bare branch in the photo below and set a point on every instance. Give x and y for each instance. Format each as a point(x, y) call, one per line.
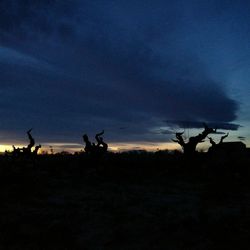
point(212, 141)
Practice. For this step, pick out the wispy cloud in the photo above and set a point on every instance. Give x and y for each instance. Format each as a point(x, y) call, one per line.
point(13, 57)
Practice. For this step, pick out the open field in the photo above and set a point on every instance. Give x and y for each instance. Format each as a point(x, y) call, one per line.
point(125, 201)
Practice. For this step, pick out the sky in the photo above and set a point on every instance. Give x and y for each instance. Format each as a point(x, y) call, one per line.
point(141, 70)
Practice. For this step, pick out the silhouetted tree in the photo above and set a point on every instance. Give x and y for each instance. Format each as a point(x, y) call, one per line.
point(214, 144)
point(27, 150)
point(190, 146)
point(223, 148)
point(92, 148)
point(88, 145)
point(101, 145)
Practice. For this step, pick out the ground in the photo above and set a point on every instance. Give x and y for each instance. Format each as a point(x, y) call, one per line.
point(123, 202)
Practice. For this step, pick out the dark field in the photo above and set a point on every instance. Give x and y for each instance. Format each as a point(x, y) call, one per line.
point(125, 201)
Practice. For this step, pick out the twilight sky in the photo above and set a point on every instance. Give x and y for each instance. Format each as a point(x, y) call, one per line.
point(139, 69)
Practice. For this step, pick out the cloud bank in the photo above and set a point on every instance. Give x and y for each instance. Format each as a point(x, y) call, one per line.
point(83, 66)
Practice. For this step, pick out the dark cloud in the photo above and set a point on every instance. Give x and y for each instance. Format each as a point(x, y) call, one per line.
point(22, 16)
point(166, 131)
point(92, 65)
point(242, 138)
point(199, 124)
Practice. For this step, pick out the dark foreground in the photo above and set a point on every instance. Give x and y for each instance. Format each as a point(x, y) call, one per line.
point(125, 201)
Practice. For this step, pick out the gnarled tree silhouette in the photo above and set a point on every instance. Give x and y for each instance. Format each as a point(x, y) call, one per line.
point(101, 145)
point(190, 146)
point(88, 145)
point(214, 144)
point(92, 148)
point(222, 148)
point(26, 151)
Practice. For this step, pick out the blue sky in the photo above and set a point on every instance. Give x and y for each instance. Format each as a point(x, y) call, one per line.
point(137, 69)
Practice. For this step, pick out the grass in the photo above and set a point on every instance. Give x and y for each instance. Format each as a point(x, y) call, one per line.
point(125, 201)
